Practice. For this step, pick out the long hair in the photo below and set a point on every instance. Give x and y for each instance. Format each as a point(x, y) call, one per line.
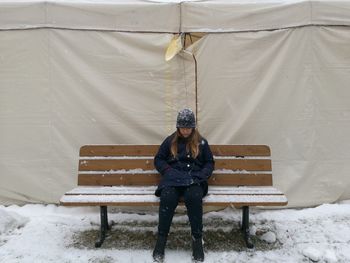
point(192, 143)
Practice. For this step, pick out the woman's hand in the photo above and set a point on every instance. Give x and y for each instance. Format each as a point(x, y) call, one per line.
point(201, 175)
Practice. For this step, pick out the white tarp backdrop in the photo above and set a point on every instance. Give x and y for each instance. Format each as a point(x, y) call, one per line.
point(93, 72)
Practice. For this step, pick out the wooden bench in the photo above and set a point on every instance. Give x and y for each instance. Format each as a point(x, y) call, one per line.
point(124, 175)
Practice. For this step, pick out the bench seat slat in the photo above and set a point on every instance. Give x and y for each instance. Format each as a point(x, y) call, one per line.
point(240, 150)
point(234, 179)
point(141, 200)
point(151, 150)
point(119, 150)
point(130, 190)
point(249, 200)
point(147, 164)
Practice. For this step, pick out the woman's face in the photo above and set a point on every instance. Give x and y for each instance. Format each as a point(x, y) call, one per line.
point(185, 132)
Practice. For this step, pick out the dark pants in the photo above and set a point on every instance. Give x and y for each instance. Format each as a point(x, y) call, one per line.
point(169, 199)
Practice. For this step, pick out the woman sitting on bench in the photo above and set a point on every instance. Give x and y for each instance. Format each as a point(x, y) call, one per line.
point(185, 163)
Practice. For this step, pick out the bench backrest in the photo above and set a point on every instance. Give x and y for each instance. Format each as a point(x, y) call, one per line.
point(235, 165)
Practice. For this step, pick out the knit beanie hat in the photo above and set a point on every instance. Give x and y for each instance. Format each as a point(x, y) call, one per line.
point(186, 119)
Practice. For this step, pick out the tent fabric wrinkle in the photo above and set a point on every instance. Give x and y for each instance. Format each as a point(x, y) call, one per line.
point(110, 15)
point(172, 16)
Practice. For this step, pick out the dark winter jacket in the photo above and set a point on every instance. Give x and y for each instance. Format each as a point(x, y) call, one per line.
point(183, 170)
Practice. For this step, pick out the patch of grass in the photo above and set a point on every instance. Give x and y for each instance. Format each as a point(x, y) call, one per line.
point(219, 235)
point(101, 260)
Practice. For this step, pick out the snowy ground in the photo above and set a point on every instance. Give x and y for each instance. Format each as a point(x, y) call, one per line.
point(38, 233)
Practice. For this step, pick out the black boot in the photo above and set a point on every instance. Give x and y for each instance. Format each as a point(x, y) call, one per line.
point(197, 249)
point(158, 252)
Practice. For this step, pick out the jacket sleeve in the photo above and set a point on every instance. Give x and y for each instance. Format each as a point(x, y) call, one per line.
point(208, 160)
point(160, 160)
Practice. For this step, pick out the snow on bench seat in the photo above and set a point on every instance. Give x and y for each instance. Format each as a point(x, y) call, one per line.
point(106, 190)
point(151, 199)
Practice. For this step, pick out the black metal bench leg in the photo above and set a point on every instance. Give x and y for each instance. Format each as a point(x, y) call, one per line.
point(245, 227)
point(108, 227)
point(104, 225)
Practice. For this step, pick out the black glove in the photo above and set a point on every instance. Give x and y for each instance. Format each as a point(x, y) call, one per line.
point(200, 176)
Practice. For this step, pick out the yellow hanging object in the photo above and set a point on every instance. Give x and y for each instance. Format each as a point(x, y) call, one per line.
point(174, 47)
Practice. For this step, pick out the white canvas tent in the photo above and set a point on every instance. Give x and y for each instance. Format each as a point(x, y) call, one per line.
point(93, 72)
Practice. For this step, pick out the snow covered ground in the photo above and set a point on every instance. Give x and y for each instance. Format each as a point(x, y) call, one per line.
point(38, 233)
